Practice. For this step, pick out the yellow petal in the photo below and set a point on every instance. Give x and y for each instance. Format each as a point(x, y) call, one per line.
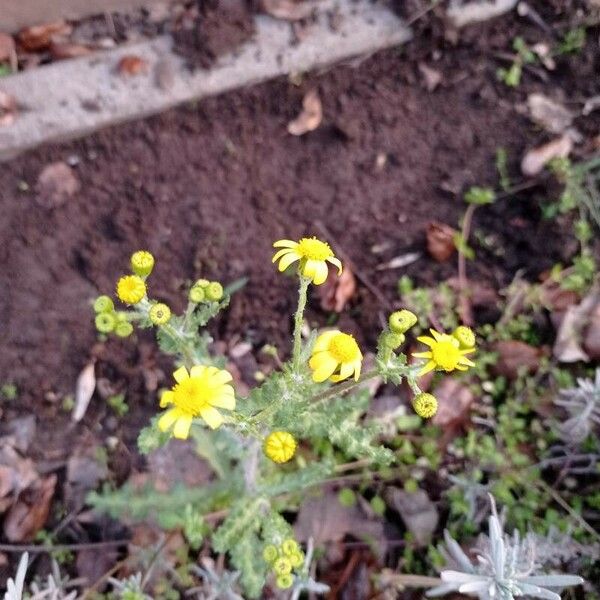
point(168, 419)
point(463, 360)
point(346, 370)
point(182, 427)
point(326, 366)
point(425, 339)
point(422, 354)
point(336, 261)
point(285, 244)
point(226, 401)
point(287, 260)
point(323, 340)
point(281, 253)
point(430, 366)
point(310, 267)
point(437, 336)
point(321, 272)
point(166, 398)
point(357, 368)
point(180, 375)
point(197, 371)
point(220, 377)
point(212, 417)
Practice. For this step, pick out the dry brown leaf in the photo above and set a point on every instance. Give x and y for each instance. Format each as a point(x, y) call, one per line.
point(62, 50)
point(536, 159)
point(29, 514)
point(591, 341)
point(287, 10)
point(39, 37)
point(336, 292)
point(454, 400)
point(551, 115)
point(86, 384)
point(515, 357)
point(8, 109)
point(440, 241)
point(132, 65)
point(56, 184)
point(310, 117)
point(18, 473)
point(8, 50)
point(418, 512)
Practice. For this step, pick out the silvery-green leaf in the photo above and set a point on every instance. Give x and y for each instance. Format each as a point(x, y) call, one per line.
point(537, 592)
point(442, 590)
point(458, 577)
point(554, 580)
point(474, 587)
point(456, 552)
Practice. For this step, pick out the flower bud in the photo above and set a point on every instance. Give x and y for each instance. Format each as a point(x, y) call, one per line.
point(197, 294)
point(270, 553)
point(297, 559)
point(289, 546)
point(142, 263)
point(124, 329)
point(402, 320)
point(103, 304)
point(425, 405)
point(214, 291)
point(465, 337)
point(393, 340)
point(280, 446)
point(159, 314)
point(284, 581)
point(282, 566)
point(202, 283)
point(105, 322)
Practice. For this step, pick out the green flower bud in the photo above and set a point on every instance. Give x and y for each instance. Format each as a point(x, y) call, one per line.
point(425, 405)
point(142, 263)
point(159, 314)
point(402, 320)
point(393, 340)
point(103, 304)
point(465, 337)
point(282, 566)
point(289, 546)
point(202, 283)
point(284, 581)
point(297, 559)
point(197, 294)
point(214, 291)
point(124, 329)
point(270, 553)
point(105, 322)
point(121, 317)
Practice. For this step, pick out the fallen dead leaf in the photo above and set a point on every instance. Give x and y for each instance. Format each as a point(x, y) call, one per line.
point(92, 564)
point(431, 77)
point(8, 50)
point(591, 341)
point(84, 390)
point(8, 109)
point(132, 65)
point(454, 400)
point(440, 241)
point(418, 512)
point(310, 117)
point(515, 357)
point(398, 262)
point(62, 50)
point(30, 512)
point(547, 113)
point(544, 53)
point(536, 159)
point(39, 37)
point(461, 14)
point(287, 10)
point(336, 292)
point(56, 184)
point(18, 473)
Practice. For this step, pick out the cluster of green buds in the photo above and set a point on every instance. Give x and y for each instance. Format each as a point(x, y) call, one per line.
point(393, 337)
point(206, 291)
point(109, 320)
point(284, 560)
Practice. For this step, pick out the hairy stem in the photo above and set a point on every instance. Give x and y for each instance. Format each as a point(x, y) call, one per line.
point(298, 320)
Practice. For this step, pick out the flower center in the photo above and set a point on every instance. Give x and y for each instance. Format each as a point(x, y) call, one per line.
point(344, 348)
point(446, 355)
point(314, 249)
point(192, 395)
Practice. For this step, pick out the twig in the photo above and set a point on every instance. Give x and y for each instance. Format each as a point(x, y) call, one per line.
point(60, 547)
point(359, 274)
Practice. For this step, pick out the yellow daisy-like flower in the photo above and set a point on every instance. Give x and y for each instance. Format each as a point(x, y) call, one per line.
point(280, 446)
point(333, 350)
point(131, 289)
point(313, 255)
point(445, 354)
point(196, 394)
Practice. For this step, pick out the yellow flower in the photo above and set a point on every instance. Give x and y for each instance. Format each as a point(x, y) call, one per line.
point(313, 255)
point(159, 314)
point(131, 289)
point(280, 446)
point(196, 394)
point(445, 354)
point(335, 349)
point(142, 263)
point(425, 405)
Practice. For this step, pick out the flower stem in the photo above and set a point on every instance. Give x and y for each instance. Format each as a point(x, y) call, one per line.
point(298, 320)
point(339, 390)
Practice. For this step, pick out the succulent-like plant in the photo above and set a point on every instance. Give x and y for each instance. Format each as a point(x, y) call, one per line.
point(583, 405)
point(506, 568)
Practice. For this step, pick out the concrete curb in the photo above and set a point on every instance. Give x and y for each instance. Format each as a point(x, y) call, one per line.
point(69, 99)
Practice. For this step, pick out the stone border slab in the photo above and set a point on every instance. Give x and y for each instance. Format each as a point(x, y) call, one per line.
point(72, 98)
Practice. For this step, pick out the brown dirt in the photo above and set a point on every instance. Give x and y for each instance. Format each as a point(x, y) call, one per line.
point(208, 187)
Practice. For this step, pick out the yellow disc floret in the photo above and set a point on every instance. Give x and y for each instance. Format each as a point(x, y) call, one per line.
point(197, 393)
point(335, 356)
point(313, 255)
point(445, 353)
point(280, 446)
point(282, 566)
point(465, 336)
point(142, 263)
point(131, 289)
point(159, 314)
point(425, 405)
